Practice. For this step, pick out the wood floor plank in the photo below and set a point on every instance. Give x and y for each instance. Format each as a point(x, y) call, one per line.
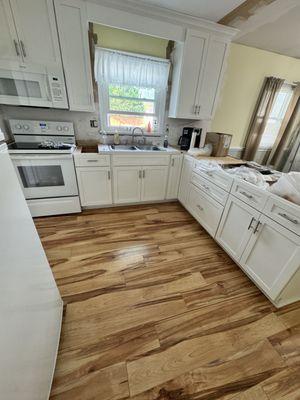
point(148, 372)
point(224, 377)
point(157, 307)
point(107, 384)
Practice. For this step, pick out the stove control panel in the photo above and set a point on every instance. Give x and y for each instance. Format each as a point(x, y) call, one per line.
point(29, 127)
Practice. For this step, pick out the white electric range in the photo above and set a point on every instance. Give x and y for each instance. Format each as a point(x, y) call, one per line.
point(42, 157)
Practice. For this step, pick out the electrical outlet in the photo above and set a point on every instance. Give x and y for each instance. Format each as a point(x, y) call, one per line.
point(94, 123)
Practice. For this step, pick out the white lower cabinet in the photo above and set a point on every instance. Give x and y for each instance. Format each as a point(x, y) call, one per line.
point(205, 209)
point(185, 178)
point(94, 186)
point(272, 256)
point(236, 226)
point(154, 183)
point(174, 176)
point(127, 184)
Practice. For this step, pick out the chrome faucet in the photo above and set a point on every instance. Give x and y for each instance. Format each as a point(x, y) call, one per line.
point(133, 132)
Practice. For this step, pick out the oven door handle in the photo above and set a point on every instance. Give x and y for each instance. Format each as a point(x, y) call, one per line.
point(34, 157)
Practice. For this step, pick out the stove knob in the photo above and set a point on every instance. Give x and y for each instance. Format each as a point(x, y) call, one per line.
point(26, 127)
point(66, 128)
point(18, 126)
point(59, 128)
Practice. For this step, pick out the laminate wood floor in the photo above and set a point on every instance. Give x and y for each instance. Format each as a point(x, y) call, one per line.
point(156, 310)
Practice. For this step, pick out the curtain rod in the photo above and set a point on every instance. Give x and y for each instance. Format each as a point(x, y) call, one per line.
point(127, 53)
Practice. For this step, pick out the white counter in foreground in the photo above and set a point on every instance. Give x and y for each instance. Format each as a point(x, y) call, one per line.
point(30, 306)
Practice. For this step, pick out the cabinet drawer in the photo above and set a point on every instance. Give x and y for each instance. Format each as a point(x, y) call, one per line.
point(250, 194)
point(218, 177)
point(138, 159)
point(283, 212)
point(92, 160)
point(207, 211)
point(209, 188)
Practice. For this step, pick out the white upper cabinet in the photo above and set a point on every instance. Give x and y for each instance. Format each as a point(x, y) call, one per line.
point(188, 66)
point(28, 33)
point(198, 67)
point(9, 41)
point(212, 77)
point(73, 36)
point(36, 28)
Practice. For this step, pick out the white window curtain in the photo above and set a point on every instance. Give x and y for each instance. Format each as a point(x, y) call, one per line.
point(128, 69)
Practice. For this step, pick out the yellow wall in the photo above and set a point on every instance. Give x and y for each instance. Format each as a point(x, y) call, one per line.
point(247, 67)
point(129, 41)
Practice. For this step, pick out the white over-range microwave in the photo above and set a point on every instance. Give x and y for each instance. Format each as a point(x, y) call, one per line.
point(33, 87)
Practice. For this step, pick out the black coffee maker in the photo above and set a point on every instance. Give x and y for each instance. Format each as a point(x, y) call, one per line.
point(185, 139)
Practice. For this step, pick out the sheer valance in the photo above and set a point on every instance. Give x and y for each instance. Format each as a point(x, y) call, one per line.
point(126, 69)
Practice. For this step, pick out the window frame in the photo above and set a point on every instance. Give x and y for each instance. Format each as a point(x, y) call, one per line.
point(277, 119)
point(159, 104)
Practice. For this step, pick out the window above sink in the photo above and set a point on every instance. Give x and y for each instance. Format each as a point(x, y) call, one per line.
point(132, 90)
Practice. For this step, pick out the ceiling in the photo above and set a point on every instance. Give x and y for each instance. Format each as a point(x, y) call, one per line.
point(274, 28)
point(212, 10)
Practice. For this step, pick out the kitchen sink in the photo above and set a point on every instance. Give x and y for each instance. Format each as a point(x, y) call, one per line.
point(123, 147)
point(150, 148)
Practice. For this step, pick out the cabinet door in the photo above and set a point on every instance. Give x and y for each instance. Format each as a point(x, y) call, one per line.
point(154, 183)
point(206, 210)
point(73, 36)
point(208, 89)
point(127, 184)
point(272, 256)
point(174, 176)
point(94, 186)
point(188, 70)
point(36, 27)
point(236, 226)
point(185, 178)
point(9, 41)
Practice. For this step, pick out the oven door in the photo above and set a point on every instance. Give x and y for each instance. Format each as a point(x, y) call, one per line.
point(46, 176)
point(24, 88)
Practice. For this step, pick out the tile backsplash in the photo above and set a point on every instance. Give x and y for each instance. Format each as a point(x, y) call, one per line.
point(83, 131)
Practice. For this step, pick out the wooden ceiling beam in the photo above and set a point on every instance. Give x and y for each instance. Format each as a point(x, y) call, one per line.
point(244, 11)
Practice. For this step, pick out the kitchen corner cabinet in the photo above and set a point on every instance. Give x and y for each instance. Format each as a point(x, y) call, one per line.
point(198, 68)
point(94, 185)
point(72, 26)
point(18, 38)
point(174, 176)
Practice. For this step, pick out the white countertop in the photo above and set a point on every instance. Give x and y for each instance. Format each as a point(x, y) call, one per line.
point(105, 149)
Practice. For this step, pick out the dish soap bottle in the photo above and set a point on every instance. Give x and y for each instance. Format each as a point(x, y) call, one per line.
point(166, 142)
point(116, 138)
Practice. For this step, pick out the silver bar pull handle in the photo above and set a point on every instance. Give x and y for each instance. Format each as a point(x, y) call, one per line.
point(173, 162)
point(108, 175)
point(200, 207)
point(144, 173)
point(23, 48)
point(140, 174)
point(92, 160)
point(288, 218)
point(251, 222)
point(257, 226)
point(249, 196)
point(17, 47)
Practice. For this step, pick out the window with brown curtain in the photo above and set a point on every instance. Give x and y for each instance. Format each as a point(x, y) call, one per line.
point(261, 115)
